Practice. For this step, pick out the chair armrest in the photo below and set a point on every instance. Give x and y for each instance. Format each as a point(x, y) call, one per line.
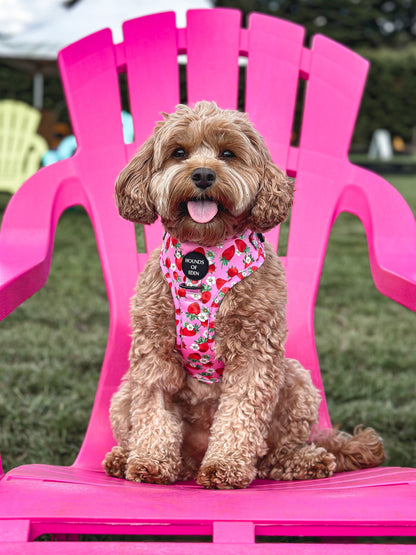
point(391, 234)
point(27, 232)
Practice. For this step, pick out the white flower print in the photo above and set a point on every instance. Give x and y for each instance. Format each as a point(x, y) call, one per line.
point(203, 315)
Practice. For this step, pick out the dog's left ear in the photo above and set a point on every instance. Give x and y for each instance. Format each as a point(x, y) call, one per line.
point(132, 187)
point(274, 198)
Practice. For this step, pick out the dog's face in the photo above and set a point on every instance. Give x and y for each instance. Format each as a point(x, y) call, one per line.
point(208, 174)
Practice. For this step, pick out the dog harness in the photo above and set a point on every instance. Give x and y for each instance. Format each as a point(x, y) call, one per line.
point(199, 278)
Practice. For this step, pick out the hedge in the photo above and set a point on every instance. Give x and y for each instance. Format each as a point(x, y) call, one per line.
point(389, 96)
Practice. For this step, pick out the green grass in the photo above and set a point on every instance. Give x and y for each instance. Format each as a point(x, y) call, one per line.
point(53, 345)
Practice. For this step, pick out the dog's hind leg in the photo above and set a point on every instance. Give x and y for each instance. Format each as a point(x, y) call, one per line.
point(304, 462)
point(290, 456)
point(116, 460)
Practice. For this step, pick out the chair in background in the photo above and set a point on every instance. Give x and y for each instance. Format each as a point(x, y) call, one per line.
point(80, 499)
point(21, 149)
point(68, 144)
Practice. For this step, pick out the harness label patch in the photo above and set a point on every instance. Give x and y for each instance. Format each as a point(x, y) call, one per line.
point(195, 265)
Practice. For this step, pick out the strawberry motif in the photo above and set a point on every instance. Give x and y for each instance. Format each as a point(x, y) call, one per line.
point(203, 347)
point(189, 332)
point(227, 255)
point(194, 308)
point(181, 292)
point(220, 282)
point(168, 263)
point(233, 271)
point(178, 263)
point(241, 245)
point(205, 297)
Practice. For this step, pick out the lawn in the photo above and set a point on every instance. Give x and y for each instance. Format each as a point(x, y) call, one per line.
point(53, 346)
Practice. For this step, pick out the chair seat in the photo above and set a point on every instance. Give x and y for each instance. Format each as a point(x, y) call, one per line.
point(70, 496)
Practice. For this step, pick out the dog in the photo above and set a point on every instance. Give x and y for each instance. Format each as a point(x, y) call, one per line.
point(209, 394)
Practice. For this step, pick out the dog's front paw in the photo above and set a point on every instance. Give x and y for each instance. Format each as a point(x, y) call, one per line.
point(225, 474)
point(149, 469)
point(114, 463)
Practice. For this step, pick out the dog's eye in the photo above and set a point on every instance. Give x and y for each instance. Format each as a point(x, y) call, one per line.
point(179, 153)
point(227, 155)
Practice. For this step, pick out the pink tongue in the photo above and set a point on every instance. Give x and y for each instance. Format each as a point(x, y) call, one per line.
point(202, 211)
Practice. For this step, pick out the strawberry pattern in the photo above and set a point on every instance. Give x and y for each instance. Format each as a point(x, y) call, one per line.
point(197, 301)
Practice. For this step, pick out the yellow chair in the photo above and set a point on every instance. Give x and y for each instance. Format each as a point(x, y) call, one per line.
point(21, 149)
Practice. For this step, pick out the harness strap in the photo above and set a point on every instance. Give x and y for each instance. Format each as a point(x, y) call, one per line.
point(199, 278)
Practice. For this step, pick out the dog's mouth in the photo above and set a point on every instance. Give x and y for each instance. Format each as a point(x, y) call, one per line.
point(202, 210)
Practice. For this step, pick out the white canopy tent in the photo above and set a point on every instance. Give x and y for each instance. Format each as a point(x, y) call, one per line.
point(33, 31)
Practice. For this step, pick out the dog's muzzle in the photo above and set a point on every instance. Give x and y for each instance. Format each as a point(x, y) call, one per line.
point(203, 178)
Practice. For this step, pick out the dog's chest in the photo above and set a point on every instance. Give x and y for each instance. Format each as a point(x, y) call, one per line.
point(199, 278)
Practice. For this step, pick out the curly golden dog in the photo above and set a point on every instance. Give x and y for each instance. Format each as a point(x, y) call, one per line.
point(209, 394)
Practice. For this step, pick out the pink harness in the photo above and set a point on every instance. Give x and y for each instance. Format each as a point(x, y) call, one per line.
point(199, 278)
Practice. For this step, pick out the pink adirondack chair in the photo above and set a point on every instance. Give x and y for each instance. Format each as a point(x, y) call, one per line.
point(81, 499)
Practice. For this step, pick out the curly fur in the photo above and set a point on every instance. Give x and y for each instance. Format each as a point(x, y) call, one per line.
point(258, 421)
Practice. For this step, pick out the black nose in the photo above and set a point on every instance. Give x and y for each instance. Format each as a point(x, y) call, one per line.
point(203, 177)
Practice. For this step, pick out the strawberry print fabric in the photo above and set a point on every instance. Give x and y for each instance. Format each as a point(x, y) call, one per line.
point(197, 300)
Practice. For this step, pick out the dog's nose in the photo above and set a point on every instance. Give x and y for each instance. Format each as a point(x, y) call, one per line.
point(203, 178)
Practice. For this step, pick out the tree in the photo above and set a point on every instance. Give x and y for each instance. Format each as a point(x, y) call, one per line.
point(355, 23)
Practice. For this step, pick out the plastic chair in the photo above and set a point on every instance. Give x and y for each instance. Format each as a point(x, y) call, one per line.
point(21, 149)
point(81, 499)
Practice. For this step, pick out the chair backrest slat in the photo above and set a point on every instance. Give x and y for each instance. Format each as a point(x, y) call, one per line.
point(275, 51)
point(89, 75)
point(212, 51)
point(21, 149)
point(333, 96)
point(151, 52)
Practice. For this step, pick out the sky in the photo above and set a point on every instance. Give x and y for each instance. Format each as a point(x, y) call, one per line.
point(38, 29)
point(16, 15)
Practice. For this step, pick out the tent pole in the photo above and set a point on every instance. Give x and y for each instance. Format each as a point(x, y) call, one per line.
point(38, 90)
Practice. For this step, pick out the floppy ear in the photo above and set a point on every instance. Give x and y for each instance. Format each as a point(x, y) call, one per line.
point(274, 198)
point(132, 187)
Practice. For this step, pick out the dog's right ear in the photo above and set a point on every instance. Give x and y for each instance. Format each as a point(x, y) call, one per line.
point(132, 187)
